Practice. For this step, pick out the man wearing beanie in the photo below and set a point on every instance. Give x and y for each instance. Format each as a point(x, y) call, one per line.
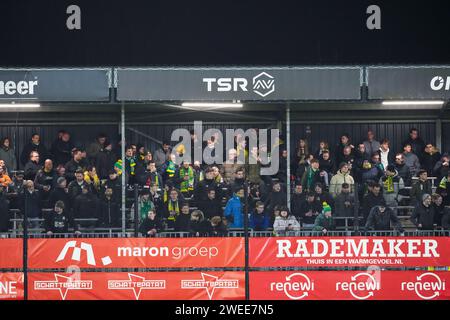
point(342, 176)
point(381, 217)
point(324, 221)
point(423, 214)
point(391, 183)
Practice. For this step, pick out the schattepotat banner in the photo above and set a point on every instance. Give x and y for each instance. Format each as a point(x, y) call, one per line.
point(372, 284)
point(137, 286)
point(11, 253)
point(136, 253)
point(349, 251)
point(11, 286)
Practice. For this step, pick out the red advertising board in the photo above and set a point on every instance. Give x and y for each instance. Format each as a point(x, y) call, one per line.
point(349, 251)
point(11, 253)
point(11, 286)
point(349, 285)
point(137, 286)
point(136, 253)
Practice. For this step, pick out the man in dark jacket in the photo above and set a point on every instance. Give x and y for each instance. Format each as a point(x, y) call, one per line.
point(86, 207)
point(403, 170)
point(416, 142)
point(150, 176)
point(115, 183)
point(201, 191)
point(430, 157)
point(420, 187)
point(45, 181)
point(380, 219)
point(151, 225)
point(297, 199)
point(29, 199)
point(259, 219)
point(110, 215)
point(344, 203)
point(59, 220)
point(323, 196)
point(74, 165)
point(183, 219)
point(311, 176)
point(33, 166)
point(310, 209)
point(373, 198)
point(62, 148)
point(4, 211)
point(105, 160)
point(423, 214)
point(60, 193)
point(276, 198)
point(75, 187)
point(211, 207)
point(34, 145)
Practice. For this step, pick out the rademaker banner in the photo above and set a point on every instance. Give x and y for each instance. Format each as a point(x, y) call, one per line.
point(55, 84)
point(408, 82)
point(246, 84)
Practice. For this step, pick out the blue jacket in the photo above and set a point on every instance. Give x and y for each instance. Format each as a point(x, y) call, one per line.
point(259, 222)
point(234, 209)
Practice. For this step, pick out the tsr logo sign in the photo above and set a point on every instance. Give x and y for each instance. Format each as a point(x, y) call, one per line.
point(263, 84)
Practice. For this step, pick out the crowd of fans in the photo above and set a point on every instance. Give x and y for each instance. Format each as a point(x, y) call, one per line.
point(81, 188)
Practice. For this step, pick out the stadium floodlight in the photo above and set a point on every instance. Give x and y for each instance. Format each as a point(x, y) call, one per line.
point(19, 105)
point(212, 104)
point(413, 103)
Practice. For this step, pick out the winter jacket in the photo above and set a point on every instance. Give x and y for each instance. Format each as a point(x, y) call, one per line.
point(86, 206)
point(44, 178)
point(340, 207)
point(5, 180)
point(147, 178)
point(182, 223)
point(428, 162)
point(116, 186)
point(104, 162)
point(382, 221)
point(424, 216)
point(417, 146)
point(281, 224)
point(296, 203)
point(109, 212)
point(325, 197)
point(59, 222)
point(233, 212)
point(201, 191)
point(216, 231)
point(61, 151)
point(390, 186)
point(254, 172)
point(387, 157)
point(405, 173)
point(413, 163)
point(8, 155)
point(160, 157)
point(200, 226)
point(327, 165)
point(418, 189)
point(92, 150)
point(440, 170)
point(59, 194)
point(30, 170)
point(315, 207)
point(149, 224)
point(275, 199)
point(143, 208)
point(310, 178)
point(323, 222)
point(259, 222)
point(371, 147)
point(228, 170)
point(33, 204)
point(211, 208)
point(71, 167)
point(370, 201)
point(75, 190)
point(26, 151)
point(338, 179)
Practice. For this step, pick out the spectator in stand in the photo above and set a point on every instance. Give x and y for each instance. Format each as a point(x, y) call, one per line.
point(33, 166)
point(198, 227)
point(59, 220)
point(342, 176)
point(74, 165)
point(371, 170)
point(105, 160)
point(34, 145)
point(75, 186)
point(4, 210)
point(391, 184)
point(162, 154)
point(115, 184)
point(430, 157)
point(285, 222)
point(86, 206)
point(110, 214)
point(182, 222)
point(311, 176)
point(323, 196)
point(403, 170)
point(282, 169)
point(130, 166)
point(92, 179)
point(3, 166)
point(201, 190)
point(323, 145)
point(348, 157)
point(381, 217)
point(239, 179)
point(29, 200)
point(216, 227)
point(168, 169)
point(185, 179)
point(276, 197)
point(5, 180)
point(234, 210)
point(211, 207)
point(423, 214)
point(326, 167)
point(301, 153)
point(15, 190)
point(420, 187)
point(259, 218)
point(439, 209)
point(254, 167)
point(60, 171)
point(7, 154)
point(151, 225)
point(150, 176)
point(324, 221)
point(95, 147)
point(142, 163)
point(297, 199)
point(416, 143)
point(441, 168)
point(310, 210)
point(145, 204)
point(60, 193)
point(230, 166)
point(372, 199)
point(411, 159)
point(172, 207)
point(444, 189)
point(371, 144)
point(62, 148)
point(344, 203)
point(387, 157)
point(344, 142)
point(360, 157)
point(303, 167)
point(45, 181)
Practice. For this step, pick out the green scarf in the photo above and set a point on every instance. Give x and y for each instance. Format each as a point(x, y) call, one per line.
point(389, 184)
point(171, 169)
point(187, 185)
point(146, 206)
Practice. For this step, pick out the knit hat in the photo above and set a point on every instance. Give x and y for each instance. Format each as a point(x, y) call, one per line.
point(390, 168)
point(342, 164)
point(326, 207)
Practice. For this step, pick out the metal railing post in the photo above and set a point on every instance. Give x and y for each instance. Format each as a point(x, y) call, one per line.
point(136, 210)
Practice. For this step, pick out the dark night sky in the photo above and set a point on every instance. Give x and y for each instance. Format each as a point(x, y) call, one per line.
point(231, 32)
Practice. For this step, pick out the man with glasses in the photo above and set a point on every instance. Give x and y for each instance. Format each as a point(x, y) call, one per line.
point(32, 167)
point(402, 169)
point(423, 214)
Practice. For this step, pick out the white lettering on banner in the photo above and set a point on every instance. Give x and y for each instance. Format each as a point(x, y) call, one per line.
point(294, 290)
point(432, 288)
point(8, 288)
point(438, 83)
point(410, 248)
point(209, 283)
point(63, 287)
point(175, 253)
point(353, 286)
point(19, 87)
point(137, 284)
